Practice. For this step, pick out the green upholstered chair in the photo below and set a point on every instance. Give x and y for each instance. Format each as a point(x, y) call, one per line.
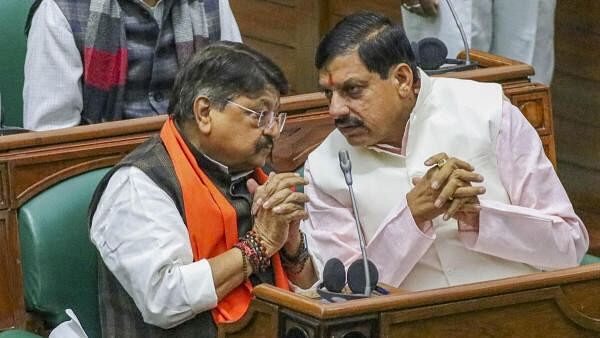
point(18, 334)
point(589, 259)
point(300, 171)
point(13, 15)
point(59, 261)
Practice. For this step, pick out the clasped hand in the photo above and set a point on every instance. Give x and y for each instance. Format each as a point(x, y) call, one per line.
point(445, 189)
point(277, 209)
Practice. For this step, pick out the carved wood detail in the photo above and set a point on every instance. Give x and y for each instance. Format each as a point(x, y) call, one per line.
point(4, 187)
point(259, 321)
point(7, 307)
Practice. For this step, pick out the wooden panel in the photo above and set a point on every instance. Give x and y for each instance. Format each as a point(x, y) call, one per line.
point(575, 56)
point(341, 8)
point(578, 38)
point(7, 306)
point(549, 148)
point(535, 105)
point(550, 304)
point(582, 137)
point(10, 273)
point(583, 185)
point(281, 55)
point(289, 31)
point(502, 319)
point(286, 31)
point(256, 19)
point(300, 138)
point(579, 14)
point(576, 106)
point(253, 324)
point(591, 219)
point(576, 98)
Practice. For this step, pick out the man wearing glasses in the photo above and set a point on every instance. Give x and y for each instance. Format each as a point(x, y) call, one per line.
point(187, 223)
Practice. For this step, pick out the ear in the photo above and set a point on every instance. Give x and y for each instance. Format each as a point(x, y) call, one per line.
point(402, 77)
point(202, 116)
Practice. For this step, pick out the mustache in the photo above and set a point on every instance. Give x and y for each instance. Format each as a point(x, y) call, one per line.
point(348, 121)
point(265, 142)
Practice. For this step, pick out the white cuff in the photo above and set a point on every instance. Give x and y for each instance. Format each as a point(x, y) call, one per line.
point(199, 285)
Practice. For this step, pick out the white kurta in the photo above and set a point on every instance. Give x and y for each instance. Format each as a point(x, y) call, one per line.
point(518, 232)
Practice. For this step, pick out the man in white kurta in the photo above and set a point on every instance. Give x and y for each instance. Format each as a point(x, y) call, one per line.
point(520, 30)
point(518, 220)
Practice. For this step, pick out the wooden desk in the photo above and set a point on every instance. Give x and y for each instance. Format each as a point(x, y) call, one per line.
point(32, 162)
point(550, 304)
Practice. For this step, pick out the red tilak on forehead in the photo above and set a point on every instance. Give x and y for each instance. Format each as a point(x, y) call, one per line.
point(330, 80)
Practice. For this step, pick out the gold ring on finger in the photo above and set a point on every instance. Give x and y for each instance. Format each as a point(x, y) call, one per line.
point(450, 198)
point(441, 163)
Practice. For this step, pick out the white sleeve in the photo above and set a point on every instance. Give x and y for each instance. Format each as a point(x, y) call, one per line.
point(229, 27)
point(143, 241)
point(52, 96)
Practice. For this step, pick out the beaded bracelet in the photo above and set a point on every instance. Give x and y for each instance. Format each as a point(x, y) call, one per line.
point(295, 264)
point(297, 267)
point(254, 239)
point(247, 253)
point(254, 250)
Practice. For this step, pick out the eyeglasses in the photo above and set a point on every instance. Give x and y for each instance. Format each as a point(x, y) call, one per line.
point(266, 119)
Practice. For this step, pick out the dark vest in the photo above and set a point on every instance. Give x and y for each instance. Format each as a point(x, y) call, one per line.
point(119, 315)
point(148, 83)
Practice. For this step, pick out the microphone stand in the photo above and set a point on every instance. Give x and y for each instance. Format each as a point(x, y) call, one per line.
point(462, 32)
point(346, 167)
point(361, 241)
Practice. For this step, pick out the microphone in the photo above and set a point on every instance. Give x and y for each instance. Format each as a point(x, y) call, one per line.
point(362, 274)
point(356, 276)
point(346, 167)
point(334, 281)
point(334, 275)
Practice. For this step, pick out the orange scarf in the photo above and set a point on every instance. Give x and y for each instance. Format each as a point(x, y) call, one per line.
point(211, 221)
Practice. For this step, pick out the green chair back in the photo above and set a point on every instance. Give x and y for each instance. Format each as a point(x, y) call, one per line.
point(18, 334)
point(13, 15)
point(59, 261)
point(590, 259)
point(300, 171)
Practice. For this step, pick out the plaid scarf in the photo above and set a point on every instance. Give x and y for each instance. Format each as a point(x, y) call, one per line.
point(105, 53)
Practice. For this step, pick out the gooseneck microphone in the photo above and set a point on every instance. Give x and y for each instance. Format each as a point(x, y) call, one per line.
point(346, 167)
point(461, 31)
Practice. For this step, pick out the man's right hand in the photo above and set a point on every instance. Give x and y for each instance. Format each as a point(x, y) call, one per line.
point(434, 193)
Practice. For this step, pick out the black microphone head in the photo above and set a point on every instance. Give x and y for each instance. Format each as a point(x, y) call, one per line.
point(345, 165)
point(344, 158)
point(356, 276)
point(431, 53)
point(334, 275)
